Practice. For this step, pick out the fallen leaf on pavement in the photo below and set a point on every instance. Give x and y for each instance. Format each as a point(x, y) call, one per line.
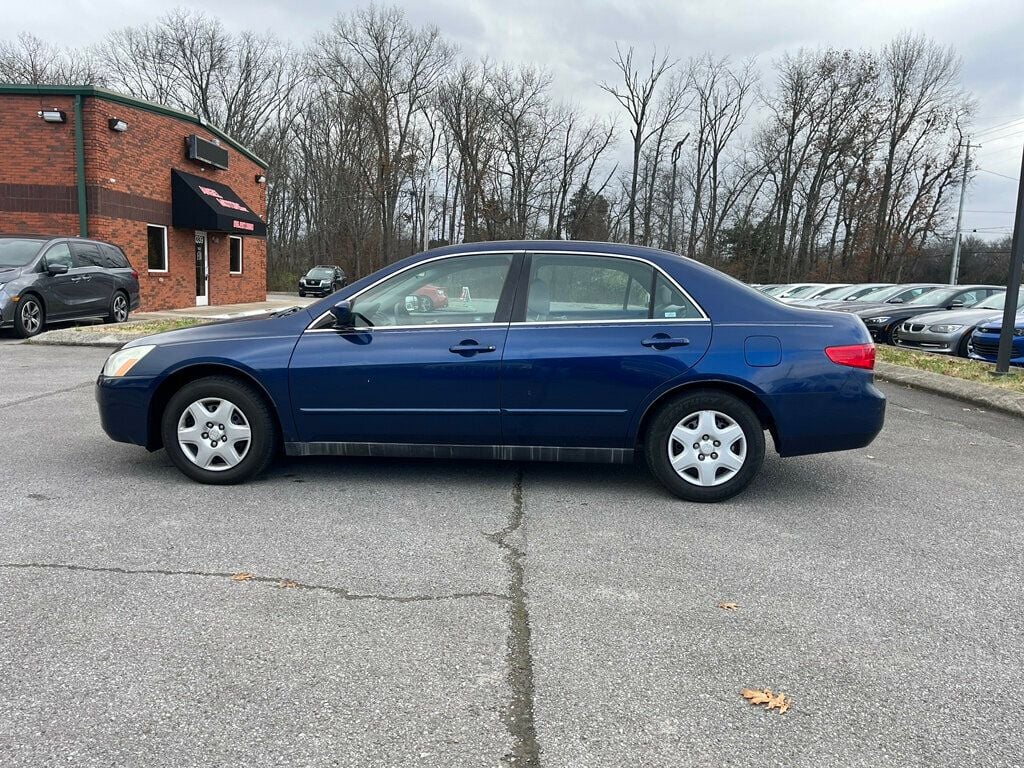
point(286, 584)
point(243, 576)
point(766, 697)
point(729, 606)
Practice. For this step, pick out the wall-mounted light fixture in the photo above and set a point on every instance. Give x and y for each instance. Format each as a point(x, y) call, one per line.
point(261, 179)
point(53, 115)
point(117, 124)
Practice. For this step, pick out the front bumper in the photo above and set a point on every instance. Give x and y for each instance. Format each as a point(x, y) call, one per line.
point(315, 290)
point(986, 347)
point(124, 408)
point(928, 340)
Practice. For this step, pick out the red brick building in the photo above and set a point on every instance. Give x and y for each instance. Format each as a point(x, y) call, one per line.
point(185, 202)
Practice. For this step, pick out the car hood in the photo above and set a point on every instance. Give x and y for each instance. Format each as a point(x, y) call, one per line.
point(901, 310)
point(996, 324)
point(9, 273)
point(232, 328)
point(957, 316)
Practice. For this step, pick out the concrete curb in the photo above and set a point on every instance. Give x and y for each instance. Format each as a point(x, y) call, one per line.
point(73, 338)
point(948, 386)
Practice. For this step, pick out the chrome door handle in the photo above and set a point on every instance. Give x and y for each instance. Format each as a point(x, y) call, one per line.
point(664, 341)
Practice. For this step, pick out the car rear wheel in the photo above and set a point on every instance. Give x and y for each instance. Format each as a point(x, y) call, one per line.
point(218, 430)
point(118, 308)
point(29, 316)
point(705, 446)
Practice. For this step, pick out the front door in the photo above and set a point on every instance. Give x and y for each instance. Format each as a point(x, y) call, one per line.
point(425, 372)
point(202, 271)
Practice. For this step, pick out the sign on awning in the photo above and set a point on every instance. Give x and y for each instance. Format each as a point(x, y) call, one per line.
point(199, 203)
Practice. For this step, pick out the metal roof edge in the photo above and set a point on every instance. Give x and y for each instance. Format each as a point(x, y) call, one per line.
point(18, 89)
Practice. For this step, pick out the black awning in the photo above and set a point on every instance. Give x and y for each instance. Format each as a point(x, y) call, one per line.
point(198, 203)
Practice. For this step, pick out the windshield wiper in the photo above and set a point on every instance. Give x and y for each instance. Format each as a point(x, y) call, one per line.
point(286, 311)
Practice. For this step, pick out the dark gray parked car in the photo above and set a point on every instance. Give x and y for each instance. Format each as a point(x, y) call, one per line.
point(47, 279)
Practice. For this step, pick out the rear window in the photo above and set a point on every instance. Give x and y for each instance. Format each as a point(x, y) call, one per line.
point(113, 257)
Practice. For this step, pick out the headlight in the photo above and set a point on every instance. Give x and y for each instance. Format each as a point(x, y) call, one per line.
point(877, 320)
point(122, 361)
point(944, 328)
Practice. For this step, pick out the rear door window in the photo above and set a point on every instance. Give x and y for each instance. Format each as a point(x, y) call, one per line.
point(85, 255)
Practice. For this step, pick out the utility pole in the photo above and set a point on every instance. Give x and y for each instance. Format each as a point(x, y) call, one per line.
point(1013, 287)
point(954, 268)
point(676, 150)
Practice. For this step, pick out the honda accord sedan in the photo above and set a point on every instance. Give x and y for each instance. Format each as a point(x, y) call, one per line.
point(560, 351)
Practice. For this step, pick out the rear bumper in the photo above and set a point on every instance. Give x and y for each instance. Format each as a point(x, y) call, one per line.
point(124, 408)
point(832, 421)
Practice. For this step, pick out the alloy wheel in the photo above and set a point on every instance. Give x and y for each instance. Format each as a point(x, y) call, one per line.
point(120, 308)
point(31, 316)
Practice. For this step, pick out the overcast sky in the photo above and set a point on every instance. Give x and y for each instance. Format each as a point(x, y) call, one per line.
point(575, 39)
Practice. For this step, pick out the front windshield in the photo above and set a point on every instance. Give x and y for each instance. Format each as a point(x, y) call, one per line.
point(320, 274)
point(998, 301)
point(16, 252)
point(937, 298)
point(777, 290)
point(838, 292)
point(802, 291)
point(884, 293)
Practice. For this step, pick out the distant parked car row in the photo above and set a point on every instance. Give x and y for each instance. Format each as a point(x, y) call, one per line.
point(960, 320)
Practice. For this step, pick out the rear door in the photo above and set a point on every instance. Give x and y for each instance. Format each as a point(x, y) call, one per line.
point(593, 336)
point(92, 285)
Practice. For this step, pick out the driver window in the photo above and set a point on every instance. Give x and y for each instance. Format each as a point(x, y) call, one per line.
point(58, 254)
point(461, 290)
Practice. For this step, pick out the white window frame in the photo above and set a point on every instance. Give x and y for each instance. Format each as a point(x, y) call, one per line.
point(241, 255)
point(166, 255)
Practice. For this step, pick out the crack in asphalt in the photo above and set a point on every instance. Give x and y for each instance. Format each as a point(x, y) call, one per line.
point(518, 715)
point(46, 394)
point(277, 581)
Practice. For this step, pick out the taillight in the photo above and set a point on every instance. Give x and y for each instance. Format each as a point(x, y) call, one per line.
point(135, 274)
point(853, 355)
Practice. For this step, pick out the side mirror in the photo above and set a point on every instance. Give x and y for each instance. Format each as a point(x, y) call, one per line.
point(956, 304)
point(343, 317)
point(57, 269)
point(897, 300)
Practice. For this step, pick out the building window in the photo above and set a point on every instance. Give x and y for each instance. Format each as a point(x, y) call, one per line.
point(235, 244)
point(156, 240)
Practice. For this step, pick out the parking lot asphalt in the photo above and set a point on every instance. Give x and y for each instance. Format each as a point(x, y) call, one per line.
point(486, 614)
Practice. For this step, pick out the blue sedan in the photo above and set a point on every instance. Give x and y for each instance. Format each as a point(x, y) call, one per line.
point(551, 351)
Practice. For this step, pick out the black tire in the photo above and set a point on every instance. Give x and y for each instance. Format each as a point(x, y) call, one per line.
point(255, 410)
point(334, 287)
point(29, 316)
point(961, 348)
point(302, 294)
point(658, 443)
point(119, 308)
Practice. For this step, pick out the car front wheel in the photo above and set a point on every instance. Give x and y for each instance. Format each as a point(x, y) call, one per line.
point(29, 316)
point(705, 446)
point(219, 430)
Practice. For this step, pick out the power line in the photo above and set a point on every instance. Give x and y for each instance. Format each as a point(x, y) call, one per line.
point(1002, 175)
point(1005, 136)
point(1000, 126)
point(992, 152)
point(974, 210)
